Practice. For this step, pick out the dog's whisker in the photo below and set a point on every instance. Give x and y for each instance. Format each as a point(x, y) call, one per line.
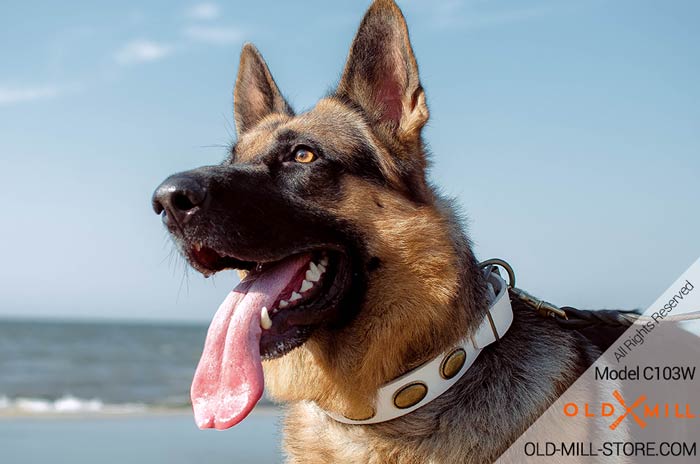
point(228, 126)
point(216, 145)
point(184, 280)
point(172, 251)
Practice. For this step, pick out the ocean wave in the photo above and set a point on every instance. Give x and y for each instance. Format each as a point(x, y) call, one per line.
point(66, 404)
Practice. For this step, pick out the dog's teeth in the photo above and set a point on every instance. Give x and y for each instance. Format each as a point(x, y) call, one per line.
point(321, 268)
point(197, 247)
point(295, 297)
point(324, 261)
point(306, 285)
point(314, 272)
point(284, 304)
point(312, 276)
point(265, 321)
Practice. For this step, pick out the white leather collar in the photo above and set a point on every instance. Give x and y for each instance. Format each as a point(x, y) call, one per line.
point(425, 383)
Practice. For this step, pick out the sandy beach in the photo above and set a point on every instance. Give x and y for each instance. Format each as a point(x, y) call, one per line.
point(154, 438)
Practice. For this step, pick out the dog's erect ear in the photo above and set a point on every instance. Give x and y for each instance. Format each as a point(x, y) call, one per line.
point(381, 74)
point(256, 95)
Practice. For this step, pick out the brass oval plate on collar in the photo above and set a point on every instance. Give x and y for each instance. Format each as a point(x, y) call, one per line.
point(410, 395)
point(453, 363)
point(363, 415)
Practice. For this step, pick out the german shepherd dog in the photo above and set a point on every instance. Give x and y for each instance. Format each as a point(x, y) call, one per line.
point(354, 271)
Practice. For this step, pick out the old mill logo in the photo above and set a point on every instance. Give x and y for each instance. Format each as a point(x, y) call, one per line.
point(639, 411)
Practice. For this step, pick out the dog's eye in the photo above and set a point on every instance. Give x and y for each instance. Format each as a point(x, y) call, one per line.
point(304, 155)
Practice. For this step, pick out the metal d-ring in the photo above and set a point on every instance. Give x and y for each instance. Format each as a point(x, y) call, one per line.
point(504, 264)
point(543, 307)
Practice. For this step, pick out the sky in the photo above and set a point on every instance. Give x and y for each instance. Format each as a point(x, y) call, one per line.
point(568, 132)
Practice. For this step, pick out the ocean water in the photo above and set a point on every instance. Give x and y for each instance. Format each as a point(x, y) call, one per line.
point(80, 393)
point(73, 367)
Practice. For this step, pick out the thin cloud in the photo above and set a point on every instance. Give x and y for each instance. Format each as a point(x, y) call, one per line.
point(141, 51)
point(204, 11)
point(478, 14)
point(500, 18)
point(11, 95)
point(214, 34)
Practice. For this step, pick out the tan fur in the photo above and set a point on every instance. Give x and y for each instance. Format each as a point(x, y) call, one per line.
point(260, 137)
point(330, 120)
point(410, 300)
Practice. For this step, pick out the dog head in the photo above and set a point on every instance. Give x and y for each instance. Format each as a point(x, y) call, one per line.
point(329, 213)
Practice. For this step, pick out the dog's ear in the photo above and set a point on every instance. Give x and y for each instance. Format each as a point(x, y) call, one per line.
point(381, 73)
point(256, 94)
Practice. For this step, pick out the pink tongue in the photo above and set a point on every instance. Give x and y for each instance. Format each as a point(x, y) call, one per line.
point(229, 378)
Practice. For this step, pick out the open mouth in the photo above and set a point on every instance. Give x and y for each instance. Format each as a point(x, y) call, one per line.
point(273, 310)
point(312, 290)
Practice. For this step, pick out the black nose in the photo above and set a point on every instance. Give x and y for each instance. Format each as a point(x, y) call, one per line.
point(180, 196)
